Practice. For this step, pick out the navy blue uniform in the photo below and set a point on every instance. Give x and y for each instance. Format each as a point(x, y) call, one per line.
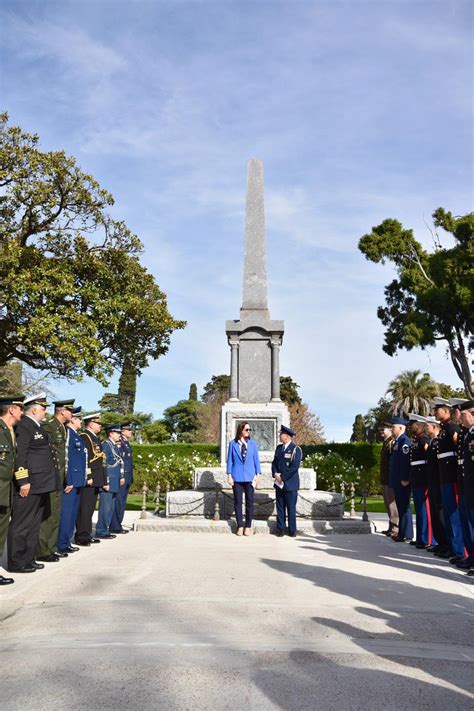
point(76, 465)
point(400, 471)
point(287, 462)
point(121, 498)
point(434, 496)
point(419, 484)
point(447, 464)
point(114, 470)
point(465, 515)
point(95, 471)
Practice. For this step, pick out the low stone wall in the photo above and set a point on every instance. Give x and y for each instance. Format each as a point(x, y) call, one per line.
point(209, 477)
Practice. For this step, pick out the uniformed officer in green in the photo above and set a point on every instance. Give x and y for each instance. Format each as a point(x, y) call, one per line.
point(57, 432)
point(11, 410)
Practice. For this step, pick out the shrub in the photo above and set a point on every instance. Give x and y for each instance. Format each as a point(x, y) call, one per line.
point(335, 462)
point(175, 467)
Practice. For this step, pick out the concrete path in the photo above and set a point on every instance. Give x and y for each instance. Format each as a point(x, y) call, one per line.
point(200, 621)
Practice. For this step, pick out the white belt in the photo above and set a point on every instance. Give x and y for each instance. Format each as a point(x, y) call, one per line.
point(460, 462)
point(418, 461)
point(446, 454)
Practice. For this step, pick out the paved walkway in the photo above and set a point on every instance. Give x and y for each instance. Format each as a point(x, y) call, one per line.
point(174, 621)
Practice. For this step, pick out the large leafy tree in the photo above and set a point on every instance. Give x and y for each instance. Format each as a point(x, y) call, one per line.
point(433, 297)
point(412, 392)
point(74, 297)
point(182, 420)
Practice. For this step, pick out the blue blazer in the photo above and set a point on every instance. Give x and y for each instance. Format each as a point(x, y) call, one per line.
point(113, 464)
point(76, 460)
point(400, 461)
point(239, 470)
point(287, 463)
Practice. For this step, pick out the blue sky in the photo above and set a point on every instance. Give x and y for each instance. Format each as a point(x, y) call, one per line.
point(359, 110)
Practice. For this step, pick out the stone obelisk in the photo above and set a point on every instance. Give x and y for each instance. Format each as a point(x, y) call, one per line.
point(254, 339)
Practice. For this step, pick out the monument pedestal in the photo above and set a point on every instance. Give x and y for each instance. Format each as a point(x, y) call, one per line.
point(265, 419)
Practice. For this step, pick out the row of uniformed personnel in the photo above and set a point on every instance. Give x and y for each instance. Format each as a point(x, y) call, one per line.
point(436, 467)
point(51, 476)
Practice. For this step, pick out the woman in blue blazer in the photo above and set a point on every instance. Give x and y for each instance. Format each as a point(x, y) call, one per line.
point(243, 470)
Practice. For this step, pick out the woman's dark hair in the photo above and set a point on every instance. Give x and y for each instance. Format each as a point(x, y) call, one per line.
point(240, 429)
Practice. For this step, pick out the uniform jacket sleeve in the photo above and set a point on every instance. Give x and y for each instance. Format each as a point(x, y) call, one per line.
point(293, 466)
point(275, 459)
point(24, 437)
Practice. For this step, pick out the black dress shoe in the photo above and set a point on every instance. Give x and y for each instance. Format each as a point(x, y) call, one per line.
point(413, 543)
point(25, 569)
point(61, 554)
point(464, 564)
point(279, 532)
point(445, 555)
point(6, 581)
point(421, 546)
point(38, 566)
point(292, 535)
point(108, 535)
point(455, 559)
point(83, 543)
point(124, 530)
point(71, 549)
point(387, 532)
point(399, 539)
point(470, 573)
point(53, 558)
point(94, 540)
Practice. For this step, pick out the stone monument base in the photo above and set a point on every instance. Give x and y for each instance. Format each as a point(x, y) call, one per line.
point(198, 524)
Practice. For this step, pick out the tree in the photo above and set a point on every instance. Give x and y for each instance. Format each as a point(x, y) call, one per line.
point(155, 433)
point(289, 391)
point(127, 388)
point(306, 424)
point(217, 389)
point(433, 297)
point(358, 430)
point(182, 420)
point(74, 298)
point(109, 403)
point(412, 392)
point(375, 418)
point(193, 392)
point(447, 391)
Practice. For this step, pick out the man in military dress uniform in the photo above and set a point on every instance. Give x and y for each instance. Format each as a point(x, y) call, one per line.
point(400, 478)
point(35, 478)
point(115, 479)
point(447, 464)
point(285, 466)
point(388, 495)
point(419, 480)
point(76, 479)
point(466, 526)
point(125, 450)
point(11, 410)
point(441, 549)
point(467, 419)
point(96, 479)
point(56, 429)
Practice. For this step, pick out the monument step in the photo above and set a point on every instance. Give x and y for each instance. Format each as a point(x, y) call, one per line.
point(195, 524)
point(310, 505)
point(209, 477)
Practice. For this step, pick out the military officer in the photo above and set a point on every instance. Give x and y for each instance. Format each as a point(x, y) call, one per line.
point(11, 410)
point(441, 549)
point(35, 478)
point(466, 526)
point(76, 479)
point(388, 495)
point(467, 419)
point(56, 428)
point(285, 466)
point(115, 479)
point(400, 478)
point(95, 479)
point(125, 450)
point(419, 480)
point(447, 464)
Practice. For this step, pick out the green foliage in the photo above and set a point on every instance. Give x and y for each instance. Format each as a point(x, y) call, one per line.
point(358, 430)
point(361, 463)
point(433, 297)
point(182, 420)
point(375, 418)
point(109, 403)
point(172, 463)
point(217, 389)
point(412, 392)
point(155, 433)
point(289, 391)
point(193, 392)
point(75, 299)
point(127, 388)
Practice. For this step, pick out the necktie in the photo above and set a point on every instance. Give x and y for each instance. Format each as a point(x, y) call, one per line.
point(244, 451)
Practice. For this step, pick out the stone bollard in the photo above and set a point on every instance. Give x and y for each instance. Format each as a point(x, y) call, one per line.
point(156, 512)
point(216, 505)
point(353, 510)
point(144, 495)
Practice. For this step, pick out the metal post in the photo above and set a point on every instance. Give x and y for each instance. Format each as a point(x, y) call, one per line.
point(144, 495)
point(353, 511)
point(343, 494)
point(364, 501)
point(216, 505)
point(156, 512)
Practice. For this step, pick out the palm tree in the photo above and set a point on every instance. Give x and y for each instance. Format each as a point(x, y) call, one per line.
point(412, 392)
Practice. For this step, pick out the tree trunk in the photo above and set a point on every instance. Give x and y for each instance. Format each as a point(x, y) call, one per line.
point(460, 360)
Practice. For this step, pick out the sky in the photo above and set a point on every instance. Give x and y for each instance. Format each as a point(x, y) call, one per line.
point(360, 110)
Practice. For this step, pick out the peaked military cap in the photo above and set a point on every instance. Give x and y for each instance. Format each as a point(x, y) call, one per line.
point(76, 411)
point(398, 421)
point(430, 420)
point(467, 405)
point(95, 417)
point(456, 402)
point(126, 425)
point(66, 404)
point(113, 428)
point(287, 430)
point(39, 399)
point(414, 417)
point(442, 402)
point(12, 400)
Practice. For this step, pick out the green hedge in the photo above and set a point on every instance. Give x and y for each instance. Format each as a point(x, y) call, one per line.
point(364, 455)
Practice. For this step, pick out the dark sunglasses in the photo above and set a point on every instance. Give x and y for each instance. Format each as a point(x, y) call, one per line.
point(247, 429)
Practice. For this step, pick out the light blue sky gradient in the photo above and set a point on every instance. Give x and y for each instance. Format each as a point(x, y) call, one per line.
point(359, 110)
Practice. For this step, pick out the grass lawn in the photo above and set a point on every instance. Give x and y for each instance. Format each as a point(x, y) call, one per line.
point(374, 504)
